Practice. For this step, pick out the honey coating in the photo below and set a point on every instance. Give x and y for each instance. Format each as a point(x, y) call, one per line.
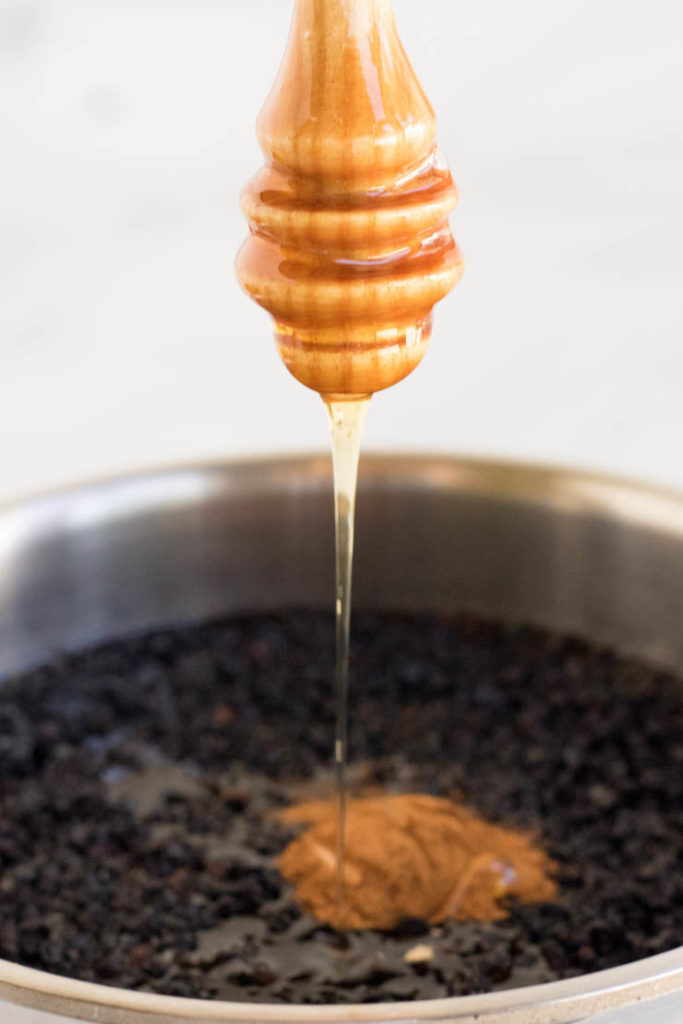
point(349, 246)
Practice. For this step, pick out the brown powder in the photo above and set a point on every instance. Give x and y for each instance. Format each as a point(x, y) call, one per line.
point(411, 856)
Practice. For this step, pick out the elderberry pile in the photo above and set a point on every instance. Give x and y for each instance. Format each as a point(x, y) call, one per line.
point(138, 781)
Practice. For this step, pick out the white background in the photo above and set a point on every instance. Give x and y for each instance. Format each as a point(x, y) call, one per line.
point(126, 132)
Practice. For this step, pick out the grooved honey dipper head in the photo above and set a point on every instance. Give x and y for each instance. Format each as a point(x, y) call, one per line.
point(349, 246)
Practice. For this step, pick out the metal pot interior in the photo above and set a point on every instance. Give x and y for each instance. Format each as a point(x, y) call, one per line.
point(571, 551)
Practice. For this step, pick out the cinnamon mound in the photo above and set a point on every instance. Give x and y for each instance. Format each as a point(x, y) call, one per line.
point(410, 856)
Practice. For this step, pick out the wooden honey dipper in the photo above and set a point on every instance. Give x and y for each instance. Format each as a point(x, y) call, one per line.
point(349, 246)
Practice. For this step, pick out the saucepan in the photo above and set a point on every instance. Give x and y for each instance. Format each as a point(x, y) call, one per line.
point(573, 551)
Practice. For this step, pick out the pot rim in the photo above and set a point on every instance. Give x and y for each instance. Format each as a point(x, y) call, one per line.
point(638, 981)
point(558, 1001)
point(558, 484)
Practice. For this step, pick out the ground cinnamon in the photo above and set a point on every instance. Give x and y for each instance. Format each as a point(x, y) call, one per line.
point(411, 856)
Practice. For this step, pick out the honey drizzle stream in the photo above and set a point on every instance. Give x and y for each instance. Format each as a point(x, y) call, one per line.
point(346, 417)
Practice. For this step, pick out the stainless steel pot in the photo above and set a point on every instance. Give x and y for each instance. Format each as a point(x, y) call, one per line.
point(578, 552)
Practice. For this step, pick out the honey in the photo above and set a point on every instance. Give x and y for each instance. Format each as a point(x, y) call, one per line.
point(349, 247)
point(346, 424)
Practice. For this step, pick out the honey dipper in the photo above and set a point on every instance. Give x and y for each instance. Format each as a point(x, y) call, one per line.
point(349, 246)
